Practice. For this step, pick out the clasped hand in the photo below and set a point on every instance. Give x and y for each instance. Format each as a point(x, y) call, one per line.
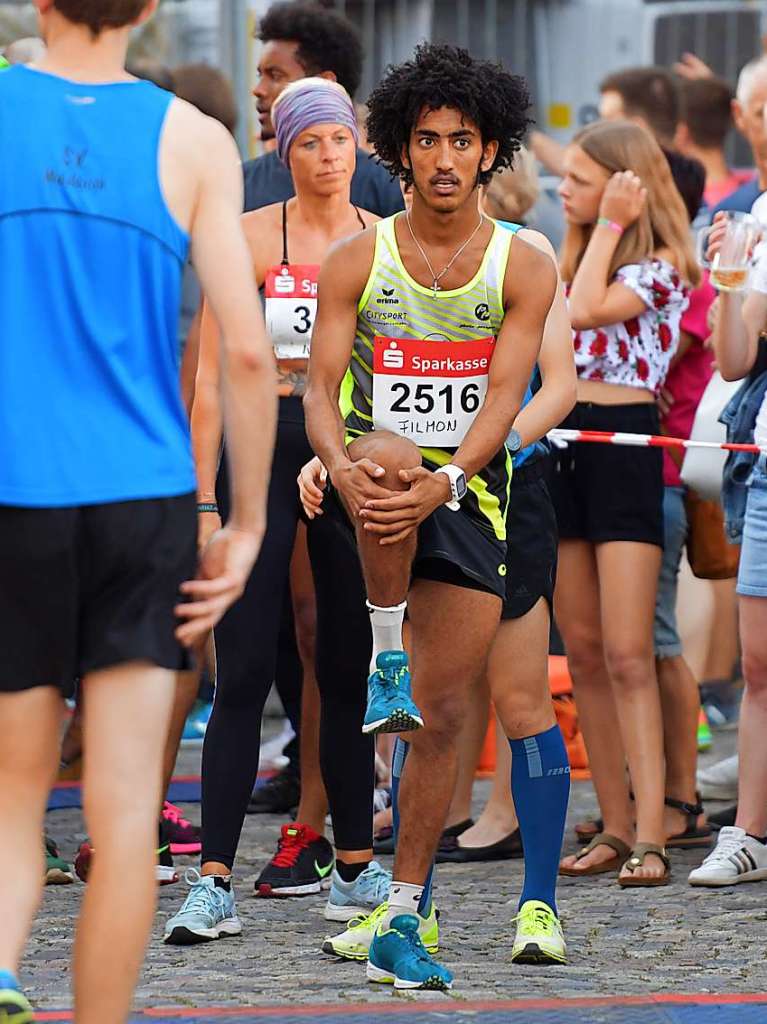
point(394, 518)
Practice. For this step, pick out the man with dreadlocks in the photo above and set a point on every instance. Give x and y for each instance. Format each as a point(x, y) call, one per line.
point(427, 332)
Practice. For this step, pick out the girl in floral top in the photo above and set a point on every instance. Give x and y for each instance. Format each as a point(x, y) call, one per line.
point(628, 259)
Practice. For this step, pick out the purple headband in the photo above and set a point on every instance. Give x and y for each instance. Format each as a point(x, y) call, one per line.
point(306, 103)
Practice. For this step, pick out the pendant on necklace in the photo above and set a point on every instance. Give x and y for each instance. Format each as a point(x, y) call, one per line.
point(435, 288)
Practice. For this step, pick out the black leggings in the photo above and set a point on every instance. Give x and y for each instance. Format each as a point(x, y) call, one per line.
point(246, 653)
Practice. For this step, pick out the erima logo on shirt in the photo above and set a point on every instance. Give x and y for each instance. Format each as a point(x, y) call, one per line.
point(387, 299)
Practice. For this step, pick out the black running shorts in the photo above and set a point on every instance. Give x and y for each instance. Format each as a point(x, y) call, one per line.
point(531, 529)
point(452, 549)
point(91, 587)
point(609, 492)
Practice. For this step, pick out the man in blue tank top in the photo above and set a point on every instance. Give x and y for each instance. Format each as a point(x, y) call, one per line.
point(112, 179)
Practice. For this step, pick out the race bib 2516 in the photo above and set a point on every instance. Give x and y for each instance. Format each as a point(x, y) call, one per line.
point(429, 391)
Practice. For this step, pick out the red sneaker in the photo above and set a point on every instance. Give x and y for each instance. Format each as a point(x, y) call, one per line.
point(183, 836)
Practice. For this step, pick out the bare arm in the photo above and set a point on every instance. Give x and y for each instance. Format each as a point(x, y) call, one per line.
point(222, 260)
point(594, 301)
point(338, 293)
point(530, 288)
point(224, 265)
point(736, 333)
point(740, 316)
point(557, 395)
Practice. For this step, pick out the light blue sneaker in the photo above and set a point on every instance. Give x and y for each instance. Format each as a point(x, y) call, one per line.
point(390, 706)
point(197, 722)
point(360, 897)
point(209, 912)
point(398, 957)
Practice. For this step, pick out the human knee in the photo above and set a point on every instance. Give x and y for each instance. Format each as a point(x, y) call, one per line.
point(755, 671)
point(445, 715)
point(631, 668)
point(390, 451)
point(585, 655)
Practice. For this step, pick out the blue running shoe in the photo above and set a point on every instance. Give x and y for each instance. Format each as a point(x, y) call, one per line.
point(197, 722)
point(390, 706)
point(398, 957)
point(360, 897)
point(208, 913)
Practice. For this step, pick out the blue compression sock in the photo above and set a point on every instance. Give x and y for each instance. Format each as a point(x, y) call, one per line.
point(8, 980)
point(398, 763)
point(540, 785)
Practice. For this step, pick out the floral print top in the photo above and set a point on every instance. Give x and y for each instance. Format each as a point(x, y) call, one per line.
point(637, 352)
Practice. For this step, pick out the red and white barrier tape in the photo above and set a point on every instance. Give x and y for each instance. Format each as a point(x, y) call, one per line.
point(647, 440)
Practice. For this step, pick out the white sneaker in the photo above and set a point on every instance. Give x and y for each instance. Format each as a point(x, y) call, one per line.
point(735, 858)
point(720, 780)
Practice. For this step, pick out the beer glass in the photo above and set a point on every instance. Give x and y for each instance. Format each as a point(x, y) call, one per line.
point(730, 267)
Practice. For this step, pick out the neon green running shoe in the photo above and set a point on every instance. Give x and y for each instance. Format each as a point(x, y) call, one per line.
point(539, 938)
point(705, 739)
point(14, 1007)
point(354, 943)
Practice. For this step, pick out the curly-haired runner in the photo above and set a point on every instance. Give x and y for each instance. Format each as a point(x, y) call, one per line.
point(428, 329)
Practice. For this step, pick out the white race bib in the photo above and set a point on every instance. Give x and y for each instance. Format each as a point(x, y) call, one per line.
point(429, 391)
point(290, 301)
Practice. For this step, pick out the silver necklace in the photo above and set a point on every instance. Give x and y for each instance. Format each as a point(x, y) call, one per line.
point(436, 278)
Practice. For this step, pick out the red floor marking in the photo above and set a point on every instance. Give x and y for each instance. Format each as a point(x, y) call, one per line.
point(349, 1009)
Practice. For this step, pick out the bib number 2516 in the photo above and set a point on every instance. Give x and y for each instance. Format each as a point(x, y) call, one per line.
point(429, 391)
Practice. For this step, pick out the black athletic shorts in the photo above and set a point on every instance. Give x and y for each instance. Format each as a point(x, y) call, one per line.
point(451, 549)
point(531, 539)
point(90, 587)
point(609, 492)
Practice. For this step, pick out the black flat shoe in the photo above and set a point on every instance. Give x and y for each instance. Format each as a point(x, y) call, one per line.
point(278, 795)
point(505, 849)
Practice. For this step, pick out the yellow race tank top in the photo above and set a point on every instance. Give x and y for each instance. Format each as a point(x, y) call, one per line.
point(420, 361)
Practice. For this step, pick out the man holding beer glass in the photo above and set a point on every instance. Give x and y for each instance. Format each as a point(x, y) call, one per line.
point(740, 854)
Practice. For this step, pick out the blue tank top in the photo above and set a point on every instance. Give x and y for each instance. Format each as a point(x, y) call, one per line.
point(90, 402)
point(538, 448)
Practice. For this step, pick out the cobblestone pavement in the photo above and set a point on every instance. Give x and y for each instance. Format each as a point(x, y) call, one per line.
point(668, 940)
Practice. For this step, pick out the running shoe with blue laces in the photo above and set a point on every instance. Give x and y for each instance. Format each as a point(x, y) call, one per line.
point(360, 897)
point(354, 943)
point(390, 705)
point(539, 938)
point(398, 957)
point(209, 912)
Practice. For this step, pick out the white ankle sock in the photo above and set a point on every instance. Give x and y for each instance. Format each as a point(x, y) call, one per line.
point(387, 629)
point(404, 898)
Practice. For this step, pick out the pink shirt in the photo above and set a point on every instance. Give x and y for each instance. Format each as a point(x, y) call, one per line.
point(637, 352)
point(687, 378)
point(719, 190)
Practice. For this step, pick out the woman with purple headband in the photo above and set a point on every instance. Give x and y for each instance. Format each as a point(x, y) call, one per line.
point(317, 134)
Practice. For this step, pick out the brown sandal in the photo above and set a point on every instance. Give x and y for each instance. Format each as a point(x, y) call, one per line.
point(637, 859)
point(622, 851)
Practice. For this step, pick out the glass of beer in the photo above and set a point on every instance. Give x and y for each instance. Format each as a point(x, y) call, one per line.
point(730, 267)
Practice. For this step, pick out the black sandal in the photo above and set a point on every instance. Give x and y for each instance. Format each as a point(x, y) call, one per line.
point(694, 836)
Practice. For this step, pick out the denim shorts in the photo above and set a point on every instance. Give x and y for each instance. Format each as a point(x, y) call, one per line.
point(752, 574)
point(666, 634)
